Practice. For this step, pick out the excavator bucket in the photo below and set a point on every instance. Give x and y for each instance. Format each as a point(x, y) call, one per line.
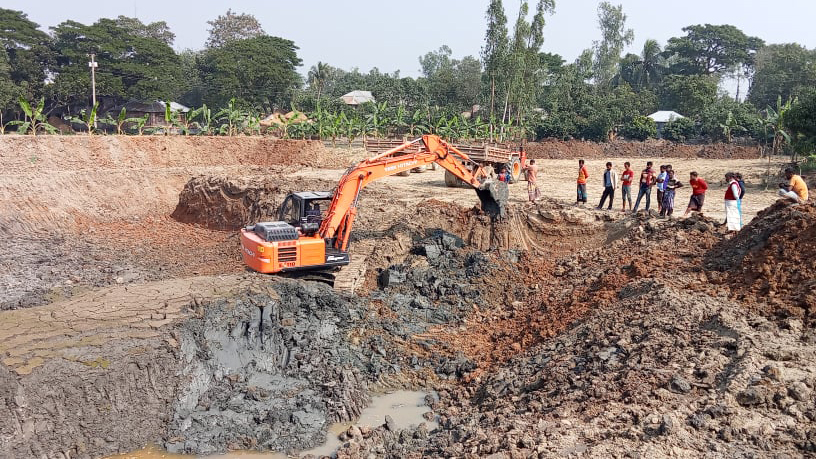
point(494, 195)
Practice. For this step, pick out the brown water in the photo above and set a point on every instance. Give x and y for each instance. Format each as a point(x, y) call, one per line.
point(405, 407)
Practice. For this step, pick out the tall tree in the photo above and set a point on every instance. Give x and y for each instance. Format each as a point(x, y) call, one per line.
point(27, 52)
point(782, 70)
point(688, 94)
point(525, 63)
point(130, 66)
point(155, 30)
point(230, 26)
point(614, 37)
point(451, 82)
point(258, 72)
point(712, 49)
point(494, 52)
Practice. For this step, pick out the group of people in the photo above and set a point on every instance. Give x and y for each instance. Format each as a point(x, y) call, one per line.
point(666, 182)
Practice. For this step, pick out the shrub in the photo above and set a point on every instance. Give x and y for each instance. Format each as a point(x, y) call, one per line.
point(639, 128)
point(679, 130)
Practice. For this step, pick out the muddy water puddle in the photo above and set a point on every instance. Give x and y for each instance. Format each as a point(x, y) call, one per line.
point(405, 408)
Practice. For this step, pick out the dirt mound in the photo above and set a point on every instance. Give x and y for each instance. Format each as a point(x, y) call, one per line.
point(229, 202)
point(559, 149)
point(771, 263)
point(657, 372)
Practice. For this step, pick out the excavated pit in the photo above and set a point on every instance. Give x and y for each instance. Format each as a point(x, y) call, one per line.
point(555, 330)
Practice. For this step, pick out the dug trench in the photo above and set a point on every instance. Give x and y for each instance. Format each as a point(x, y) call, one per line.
point(555, 331)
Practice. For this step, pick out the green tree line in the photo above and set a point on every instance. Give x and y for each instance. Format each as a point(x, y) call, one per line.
point(514, 88)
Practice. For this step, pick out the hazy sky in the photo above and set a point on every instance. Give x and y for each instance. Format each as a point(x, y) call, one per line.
point(391, 35)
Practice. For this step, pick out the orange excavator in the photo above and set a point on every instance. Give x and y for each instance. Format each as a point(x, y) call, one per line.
point(314, 227)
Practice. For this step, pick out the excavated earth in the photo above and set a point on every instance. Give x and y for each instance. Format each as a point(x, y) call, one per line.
point(557, 331)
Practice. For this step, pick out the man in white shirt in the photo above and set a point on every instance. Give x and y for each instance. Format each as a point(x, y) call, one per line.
point(610, 178)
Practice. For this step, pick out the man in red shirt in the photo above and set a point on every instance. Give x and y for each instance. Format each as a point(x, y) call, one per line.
point(698, 189)
point(626, 185)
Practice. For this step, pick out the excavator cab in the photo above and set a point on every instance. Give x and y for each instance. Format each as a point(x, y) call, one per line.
point(305, 210)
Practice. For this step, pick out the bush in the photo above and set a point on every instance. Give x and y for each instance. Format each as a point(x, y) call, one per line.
point(639, 128)
point(557, 126)
point(679, 130)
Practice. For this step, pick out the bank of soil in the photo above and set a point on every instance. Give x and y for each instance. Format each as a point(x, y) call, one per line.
point(574, 149)
point(560, 330)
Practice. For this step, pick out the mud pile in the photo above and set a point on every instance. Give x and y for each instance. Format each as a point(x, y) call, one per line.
point(662, 373)
point(620, 350)
point(573, 149)
point(269, 369)
point(771, 262)
point(230, 202)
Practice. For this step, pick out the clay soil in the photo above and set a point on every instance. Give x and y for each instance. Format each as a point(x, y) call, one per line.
point(128, 318)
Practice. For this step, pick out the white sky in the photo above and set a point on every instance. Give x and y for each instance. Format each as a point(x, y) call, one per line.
point(392, 35)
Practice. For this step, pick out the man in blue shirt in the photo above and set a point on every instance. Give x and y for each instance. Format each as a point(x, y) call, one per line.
point(661, 180)
point(610, 178)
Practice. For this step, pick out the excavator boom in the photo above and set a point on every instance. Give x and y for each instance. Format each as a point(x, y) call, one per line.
point(298, 245)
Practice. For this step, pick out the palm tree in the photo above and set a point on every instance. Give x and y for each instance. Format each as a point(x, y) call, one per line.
point(652, 64)
point(644, 71)
point(319, 74)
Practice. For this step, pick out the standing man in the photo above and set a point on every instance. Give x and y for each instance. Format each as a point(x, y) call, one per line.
point(698, 189)
point(795, 190)
point(626, 186)
point(646, 181)
point(741, 184)
point(672, 185)
point(662, 177)
point(610, 179)
point(583, 175)
point(732, 213)
point(532, 185)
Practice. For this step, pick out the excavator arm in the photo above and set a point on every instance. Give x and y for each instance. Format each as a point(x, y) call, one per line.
point(431, 149)
point(272, 247)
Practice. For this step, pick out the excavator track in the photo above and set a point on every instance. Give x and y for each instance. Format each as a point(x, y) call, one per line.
point(350, 277)
point(325, 277)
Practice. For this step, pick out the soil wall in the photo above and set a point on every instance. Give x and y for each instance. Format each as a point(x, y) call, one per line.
point(559, 149)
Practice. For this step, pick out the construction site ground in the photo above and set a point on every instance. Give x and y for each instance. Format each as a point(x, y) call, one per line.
point(128, 319)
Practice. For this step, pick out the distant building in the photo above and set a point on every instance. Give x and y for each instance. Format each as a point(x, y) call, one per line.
point(357, 97)
point(154, 111)
point(662, 117)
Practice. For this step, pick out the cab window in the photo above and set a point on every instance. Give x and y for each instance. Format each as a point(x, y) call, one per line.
point(290, 213)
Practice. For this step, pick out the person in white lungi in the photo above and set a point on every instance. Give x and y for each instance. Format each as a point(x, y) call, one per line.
point(732, 210)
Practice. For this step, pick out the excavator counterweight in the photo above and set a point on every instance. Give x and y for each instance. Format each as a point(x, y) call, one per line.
point(314, 228)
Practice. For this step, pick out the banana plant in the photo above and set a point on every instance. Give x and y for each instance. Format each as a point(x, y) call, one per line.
point(399, 121)
point(35, 119)
point(775, 120)
point(232, 118)
point(351, 128)
point(88, 118)
point(418, 123)
point(205, 114)
point(378, 120)
point(121, 119)
point(252, 124)
point(479, 129)
point(333, 126)
point(140, 123)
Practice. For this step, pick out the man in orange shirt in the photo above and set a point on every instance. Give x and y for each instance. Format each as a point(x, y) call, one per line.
point(796, 189)
point(583, 175)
